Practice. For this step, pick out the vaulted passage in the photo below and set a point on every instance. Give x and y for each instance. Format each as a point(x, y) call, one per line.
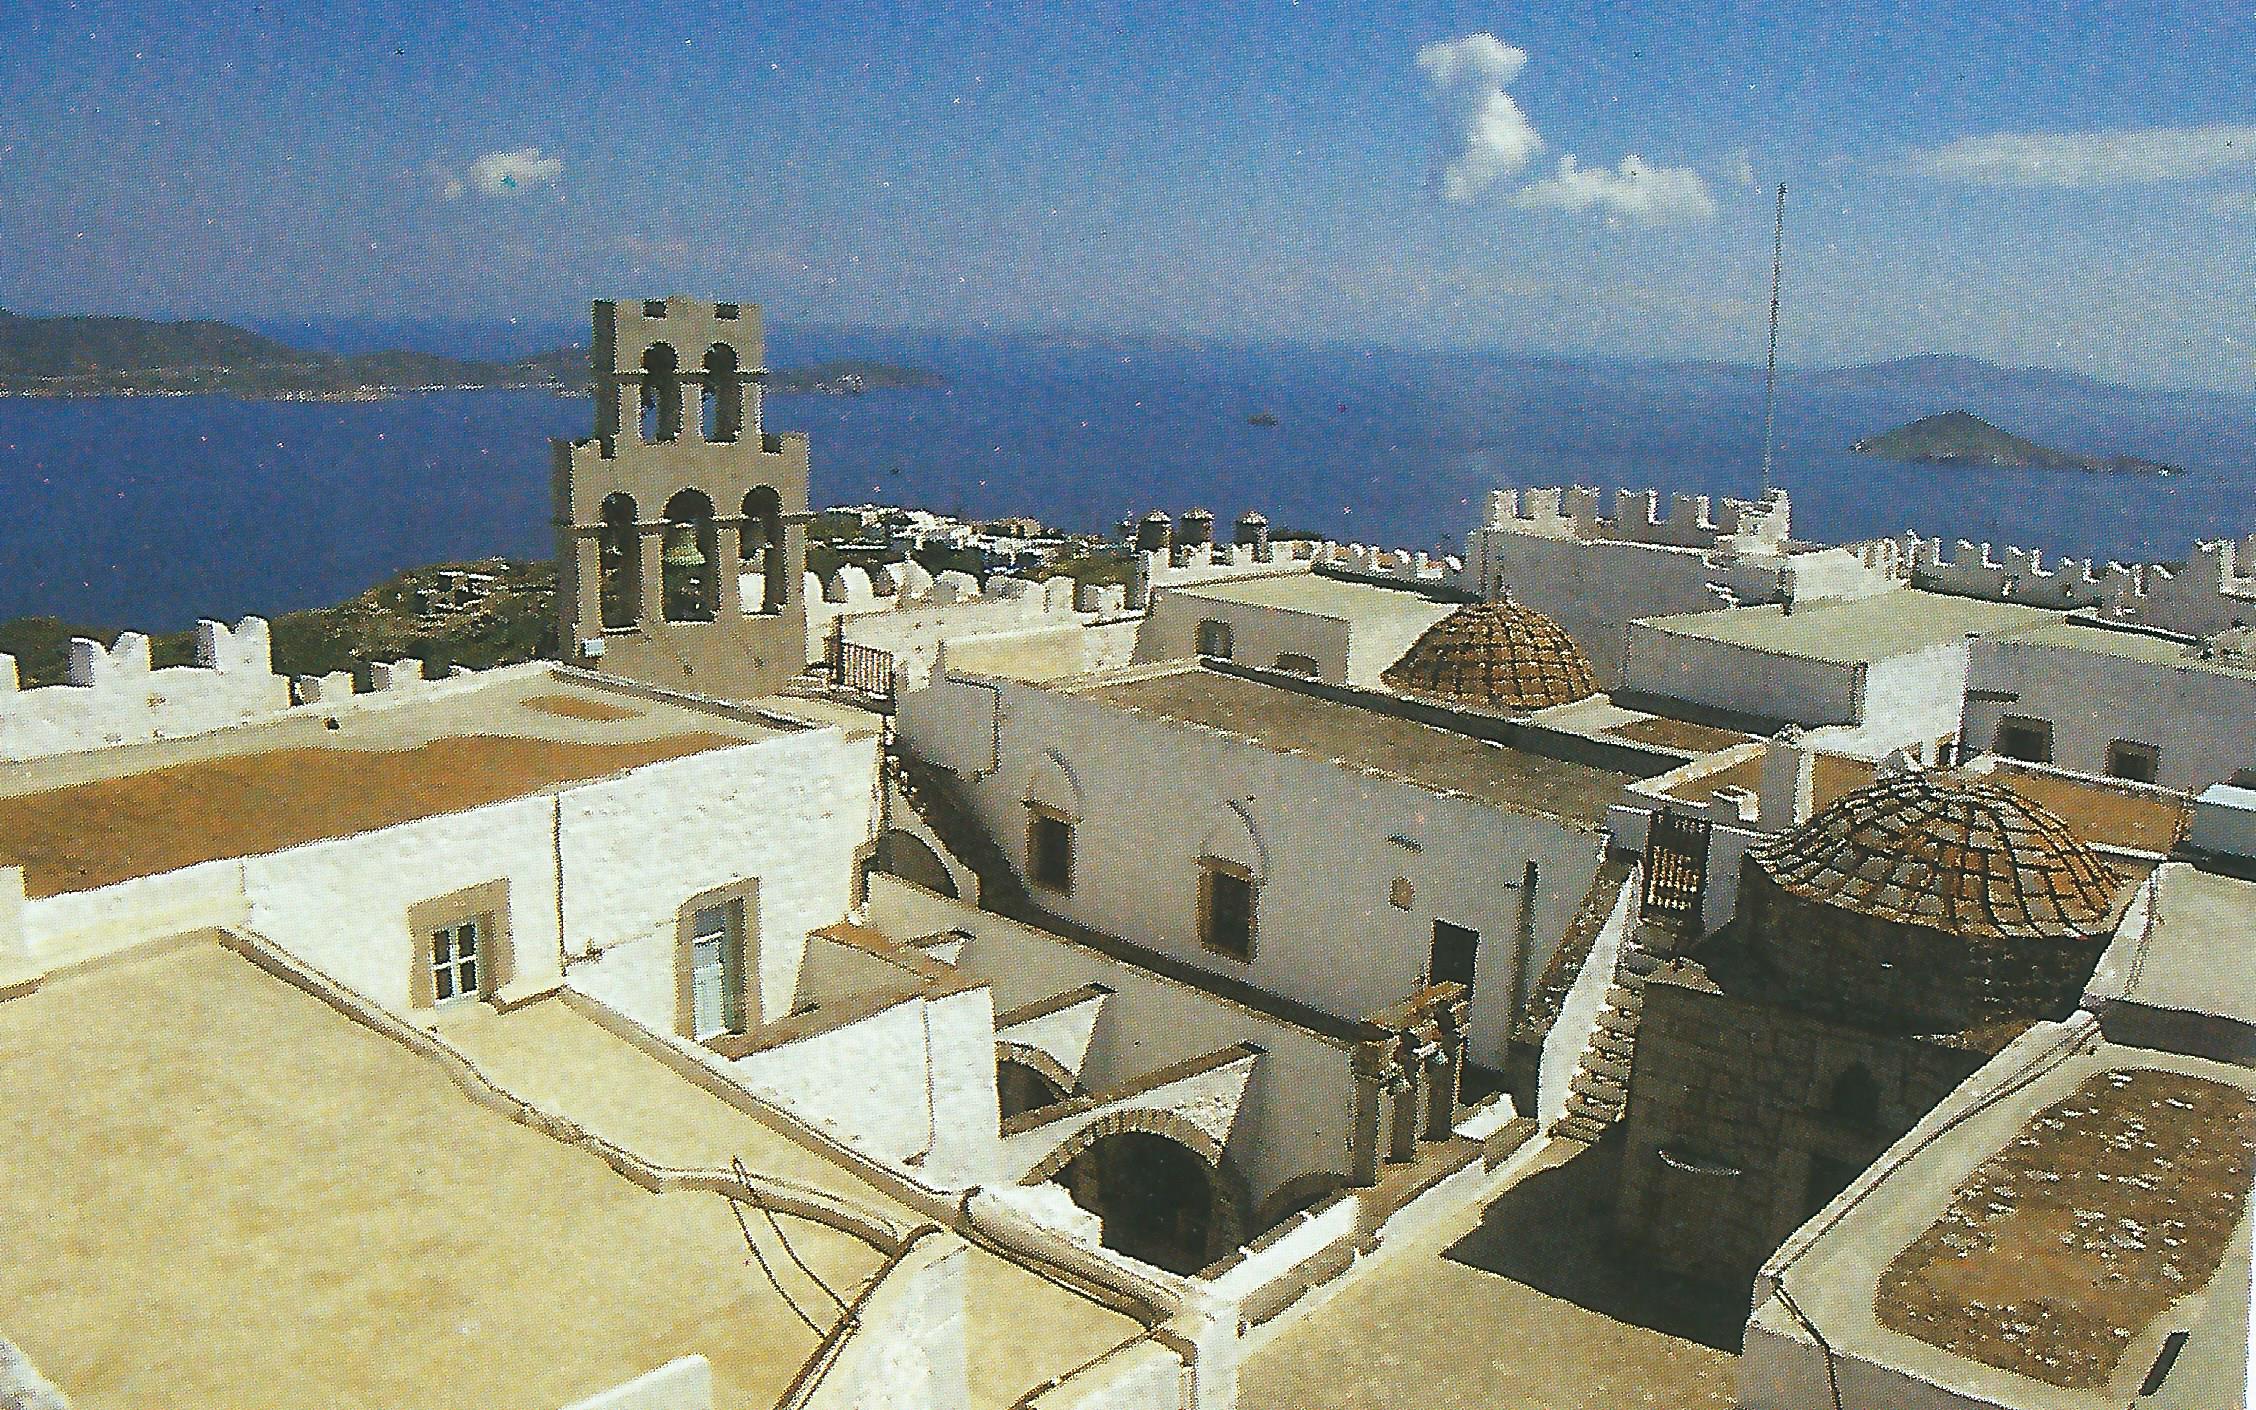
point(1156, 1197)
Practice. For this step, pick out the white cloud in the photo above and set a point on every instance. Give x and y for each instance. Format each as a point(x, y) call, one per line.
point(1648, 195)
point(451, 189)
point(1743, 169)
point(507, 173)
point(2234, 203)
point(2090, 159)
point(1486, 136)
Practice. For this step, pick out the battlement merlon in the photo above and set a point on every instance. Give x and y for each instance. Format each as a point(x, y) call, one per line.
point(1691, 521)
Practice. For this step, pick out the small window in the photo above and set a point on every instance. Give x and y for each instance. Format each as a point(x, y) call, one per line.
point(454, 962)
point(2129, 759)
point(1214, 639)
point(1401, 894)
point(724, 311)
point(653, 308)
point(1226, 909)
point(716, 970)
point(1293, 663)
point(1049, 850)
point(2019, 737)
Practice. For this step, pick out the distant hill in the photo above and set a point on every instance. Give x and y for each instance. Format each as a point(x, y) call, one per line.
point(88, 357)
point(1962, 438)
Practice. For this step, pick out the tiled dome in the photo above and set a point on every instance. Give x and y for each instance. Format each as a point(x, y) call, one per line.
point(1971, 858)
point(1495, 656)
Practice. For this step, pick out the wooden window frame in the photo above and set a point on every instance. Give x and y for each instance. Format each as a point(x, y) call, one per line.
point(1209, 869)
point(487, 906)
point(745, 896)
point(1036, 815)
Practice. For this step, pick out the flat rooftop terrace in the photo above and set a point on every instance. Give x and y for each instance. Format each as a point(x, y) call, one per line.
point(1291, 722)
point(225, 1193)
point(84, 821)
point(1869, 629)
point(2048, 1225)
point(2137, 646)
point(2189, 960)
point(1323, 596)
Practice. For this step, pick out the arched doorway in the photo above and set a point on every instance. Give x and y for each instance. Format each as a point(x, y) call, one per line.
point(1158, 1199)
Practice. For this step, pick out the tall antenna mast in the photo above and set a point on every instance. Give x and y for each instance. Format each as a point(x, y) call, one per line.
point(1770, 364)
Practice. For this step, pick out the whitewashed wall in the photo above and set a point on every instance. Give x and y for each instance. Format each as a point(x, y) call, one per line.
point(1296, 1113)
point(341, 905)
point(912, 1086)
point(790, 811)
point(1259, 633)
point(2204, 721)
point(1159, 794)
point(1750, 680)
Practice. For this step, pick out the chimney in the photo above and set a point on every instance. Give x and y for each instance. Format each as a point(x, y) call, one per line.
point(1253, 533)
point(1156, 534)
point(1788, 792)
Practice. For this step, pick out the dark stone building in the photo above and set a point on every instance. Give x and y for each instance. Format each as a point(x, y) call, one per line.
point(1882, 951)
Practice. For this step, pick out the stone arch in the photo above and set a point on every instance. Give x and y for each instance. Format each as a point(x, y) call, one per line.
point(721, 395)
point(1053, 784)
point(1304, 1191)
point(1044, 1081)
point(689, 578)
point(909, 857)
point(761, 535)
point(618, 563)
point(1234, 838)
point(1226, 1185)
point(661, 393)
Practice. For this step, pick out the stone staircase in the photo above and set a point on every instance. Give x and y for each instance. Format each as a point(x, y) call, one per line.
point(1598, 1093)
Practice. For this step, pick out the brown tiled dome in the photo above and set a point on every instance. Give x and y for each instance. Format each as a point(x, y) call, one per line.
point(1935, 904)
point(1955, 854)
point(1495, 656)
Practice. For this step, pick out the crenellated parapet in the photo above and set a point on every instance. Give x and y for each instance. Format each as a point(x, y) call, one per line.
point(2212, 590)
point(114, 694)
point(1638, 516)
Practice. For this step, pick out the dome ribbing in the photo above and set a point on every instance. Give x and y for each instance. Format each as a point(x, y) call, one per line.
point(1495, 656)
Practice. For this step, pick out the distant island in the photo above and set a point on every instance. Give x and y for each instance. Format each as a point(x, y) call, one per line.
point(1962, 438)
point(99, 357)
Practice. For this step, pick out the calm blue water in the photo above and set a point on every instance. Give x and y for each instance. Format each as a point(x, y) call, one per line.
point(153, 511)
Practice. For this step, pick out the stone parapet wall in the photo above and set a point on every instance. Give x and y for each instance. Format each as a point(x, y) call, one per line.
point(1730, 1105)
point(115, 696)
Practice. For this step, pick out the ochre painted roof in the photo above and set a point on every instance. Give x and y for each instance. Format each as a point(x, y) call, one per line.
point(1495, 656)
point(1955, 854)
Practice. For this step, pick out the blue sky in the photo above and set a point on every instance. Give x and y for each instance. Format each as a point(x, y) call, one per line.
point(2068, 185)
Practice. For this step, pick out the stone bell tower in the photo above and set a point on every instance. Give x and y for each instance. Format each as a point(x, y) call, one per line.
point(681, 540)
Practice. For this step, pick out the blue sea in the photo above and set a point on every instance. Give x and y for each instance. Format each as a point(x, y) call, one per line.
point(150, 512)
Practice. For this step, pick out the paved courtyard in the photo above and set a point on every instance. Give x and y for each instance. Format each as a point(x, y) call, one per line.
point(1515, 1306)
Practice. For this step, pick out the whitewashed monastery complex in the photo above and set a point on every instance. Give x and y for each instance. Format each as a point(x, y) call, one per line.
point(1644, 959)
